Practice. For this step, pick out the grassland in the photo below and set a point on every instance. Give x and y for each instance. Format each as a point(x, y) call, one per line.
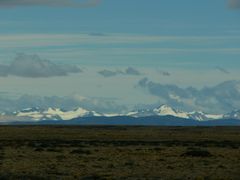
point(118, 152)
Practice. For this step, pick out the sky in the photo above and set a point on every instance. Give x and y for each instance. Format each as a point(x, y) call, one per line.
point(120, 54)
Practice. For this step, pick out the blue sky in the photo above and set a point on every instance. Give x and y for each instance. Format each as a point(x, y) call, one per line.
point(197, 42)
point(213, 21)
point(168, 17)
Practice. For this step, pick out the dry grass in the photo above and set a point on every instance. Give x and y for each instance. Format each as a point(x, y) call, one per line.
point(58, 152)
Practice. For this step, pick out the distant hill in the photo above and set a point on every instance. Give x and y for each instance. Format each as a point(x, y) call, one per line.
point(125, 120)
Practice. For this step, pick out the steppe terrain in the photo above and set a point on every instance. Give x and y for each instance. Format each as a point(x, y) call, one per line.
point(119, 152)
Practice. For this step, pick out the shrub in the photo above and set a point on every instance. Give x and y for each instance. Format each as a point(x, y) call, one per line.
point(80, 151)
point(193, 152)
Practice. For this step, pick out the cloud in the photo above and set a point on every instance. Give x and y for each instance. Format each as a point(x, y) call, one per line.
point(216, 99)
point(103, 105)
point(234, 4)
point(164, 73)
point(132, 71)
point(222, 70)
point(74, 42)
point(51, 3)
point(107, 73)
point(34, 67)
point(129, 71)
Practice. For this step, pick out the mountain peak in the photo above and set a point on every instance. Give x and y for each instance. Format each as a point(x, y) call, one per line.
point(38, 114)
point(164, 109)
point(233, 115)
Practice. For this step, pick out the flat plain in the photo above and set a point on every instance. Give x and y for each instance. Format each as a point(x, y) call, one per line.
point(119, 152)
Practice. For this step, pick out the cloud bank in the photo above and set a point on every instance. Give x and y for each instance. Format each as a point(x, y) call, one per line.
point(129, 71)
point(51, 3)
point(217, 99)
point(33, 66)
point(67, 103)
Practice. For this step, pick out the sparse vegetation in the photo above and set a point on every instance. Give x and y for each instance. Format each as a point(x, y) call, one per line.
point(197, 152)
point(107, 152)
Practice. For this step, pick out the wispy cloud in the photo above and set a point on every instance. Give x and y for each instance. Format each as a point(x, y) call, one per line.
point(163, 73)
point(96, 34)
point(221, 69)
point(41, 40)
point(76, 46)
point(52, 3)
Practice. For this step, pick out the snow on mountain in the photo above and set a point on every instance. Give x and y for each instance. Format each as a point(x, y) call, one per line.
point(67, 115)
point(55, 114)
point(233, 115)
point(112, 115)
point(197, 115)
point(201, 116)
point(165, 110)
point(141, 113)
point(214, 116)
point(33, 115)
point(38, 114)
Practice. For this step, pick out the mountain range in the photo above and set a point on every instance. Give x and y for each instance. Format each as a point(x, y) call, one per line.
point(163, 113)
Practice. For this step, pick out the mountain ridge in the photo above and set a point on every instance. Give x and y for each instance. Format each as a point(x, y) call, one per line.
point(36, 114)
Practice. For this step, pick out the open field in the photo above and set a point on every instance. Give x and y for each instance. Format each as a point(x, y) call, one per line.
point(119, 152)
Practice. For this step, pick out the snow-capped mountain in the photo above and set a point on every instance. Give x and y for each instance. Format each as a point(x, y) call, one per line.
point(200, 116)
point(39, 114)
point(141, 113)
point(196, 115)
point(54, 114)
point(233, 115)
point(165, 110)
